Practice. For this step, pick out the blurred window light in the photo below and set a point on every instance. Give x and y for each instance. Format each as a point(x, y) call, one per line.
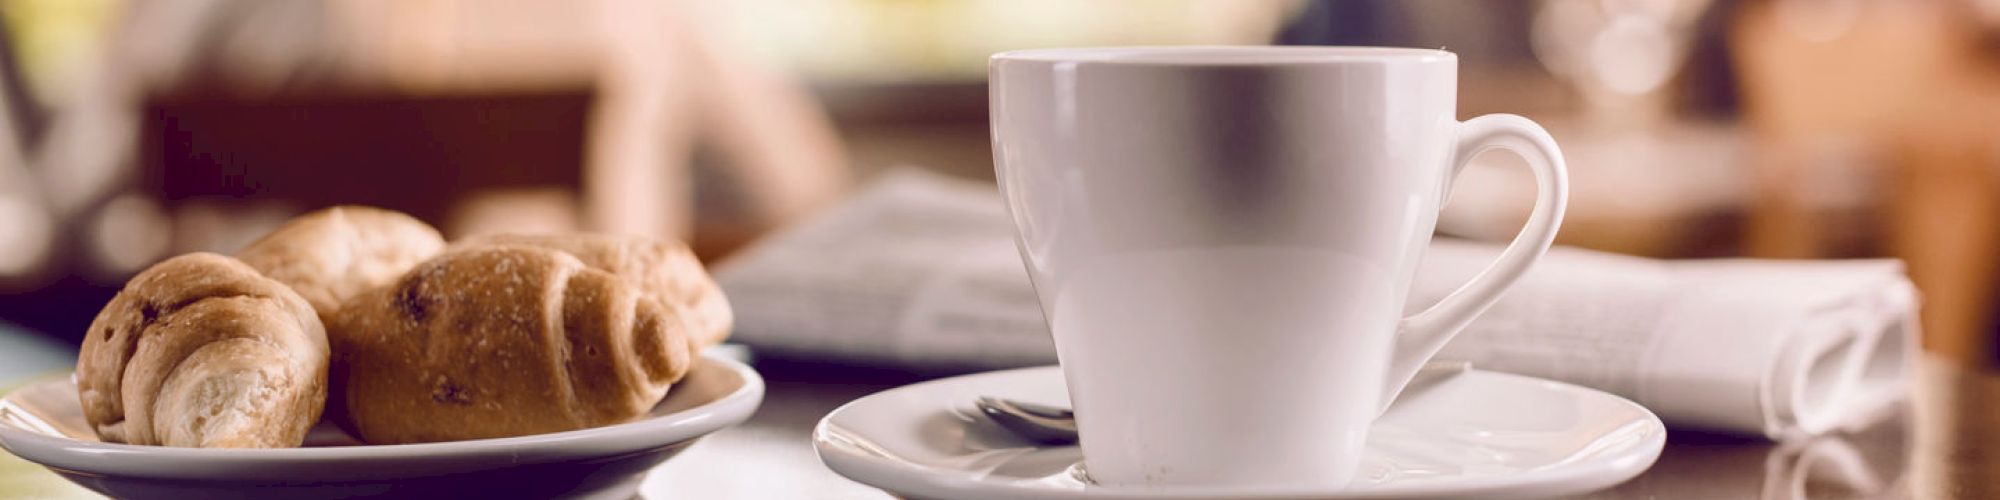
point(26, 233)
point(27, 229)
point(56, 39)
point(1633, 56)
point(130, 232)
point(1626, 47)
point(901, 40)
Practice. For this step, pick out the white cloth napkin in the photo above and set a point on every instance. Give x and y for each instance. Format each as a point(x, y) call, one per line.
point(1776, 348)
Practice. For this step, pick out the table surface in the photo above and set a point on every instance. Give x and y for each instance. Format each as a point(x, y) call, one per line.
point(1868, 464)
point(1935, 448)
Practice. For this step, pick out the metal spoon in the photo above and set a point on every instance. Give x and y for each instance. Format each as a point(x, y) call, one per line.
point(1050, 425)
point(1056, 426)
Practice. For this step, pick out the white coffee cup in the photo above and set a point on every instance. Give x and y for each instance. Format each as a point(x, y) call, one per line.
point(1222, 239)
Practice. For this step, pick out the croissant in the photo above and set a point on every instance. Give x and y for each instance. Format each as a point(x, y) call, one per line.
point(201, 351)
point(333, 254)
point(666, 270)
point(503, 340)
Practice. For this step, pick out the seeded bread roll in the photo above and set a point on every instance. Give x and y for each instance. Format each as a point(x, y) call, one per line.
point(503, 340)
point(201, 351)
point(333, 254)
point(666, 270)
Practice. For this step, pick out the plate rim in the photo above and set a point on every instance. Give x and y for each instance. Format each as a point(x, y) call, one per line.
point(922, 482)
point(395, 461)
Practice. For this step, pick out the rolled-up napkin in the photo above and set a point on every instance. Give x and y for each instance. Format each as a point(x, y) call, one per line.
point(920, 271)
point(1766, 347)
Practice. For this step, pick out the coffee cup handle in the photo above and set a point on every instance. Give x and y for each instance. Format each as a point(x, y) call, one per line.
point(1420, 336)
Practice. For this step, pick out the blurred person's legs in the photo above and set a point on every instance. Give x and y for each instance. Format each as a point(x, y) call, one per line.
point(1905, 86)
point(1944, 223)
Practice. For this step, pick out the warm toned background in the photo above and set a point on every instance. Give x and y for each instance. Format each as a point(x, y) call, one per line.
point(133, 130)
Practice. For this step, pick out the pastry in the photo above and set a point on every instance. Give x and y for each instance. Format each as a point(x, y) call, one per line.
point(666, 270)
point(333, 254)
point(202, 351)
point(503, 340)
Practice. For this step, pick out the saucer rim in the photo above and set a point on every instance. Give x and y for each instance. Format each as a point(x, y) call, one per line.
point(380, 462)
point(922, 481)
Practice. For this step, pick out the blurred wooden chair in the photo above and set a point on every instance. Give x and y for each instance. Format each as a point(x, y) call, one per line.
point(478, 115)
point(1909, 90)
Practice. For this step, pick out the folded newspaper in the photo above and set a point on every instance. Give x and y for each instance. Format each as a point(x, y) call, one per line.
point(920, 271)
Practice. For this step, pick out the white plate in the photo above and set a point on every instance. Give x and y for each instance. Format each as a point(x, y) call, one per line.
point(1478, 435)
point(42, 422)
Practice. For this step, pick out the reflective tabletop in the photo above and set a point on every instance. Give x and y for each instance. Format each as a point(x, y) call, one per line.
point(1944, 444)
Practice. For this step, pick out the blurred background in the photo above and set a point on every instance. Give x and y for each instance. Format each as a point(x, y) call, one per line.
point(134, 130)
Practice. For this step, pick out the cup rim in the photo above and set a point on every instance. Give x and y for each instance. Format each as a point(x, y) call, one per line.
point(1226, 55)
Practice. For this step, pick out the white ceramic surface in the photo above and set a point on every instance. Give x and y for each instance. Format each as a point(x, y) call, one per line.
point(1481, 434)
point(1224, 237)
point(42, 422)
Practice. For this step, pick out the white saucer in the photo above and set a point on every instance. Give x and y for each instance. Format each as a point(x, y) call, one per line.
point(1477, 435)
point(42, 422)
